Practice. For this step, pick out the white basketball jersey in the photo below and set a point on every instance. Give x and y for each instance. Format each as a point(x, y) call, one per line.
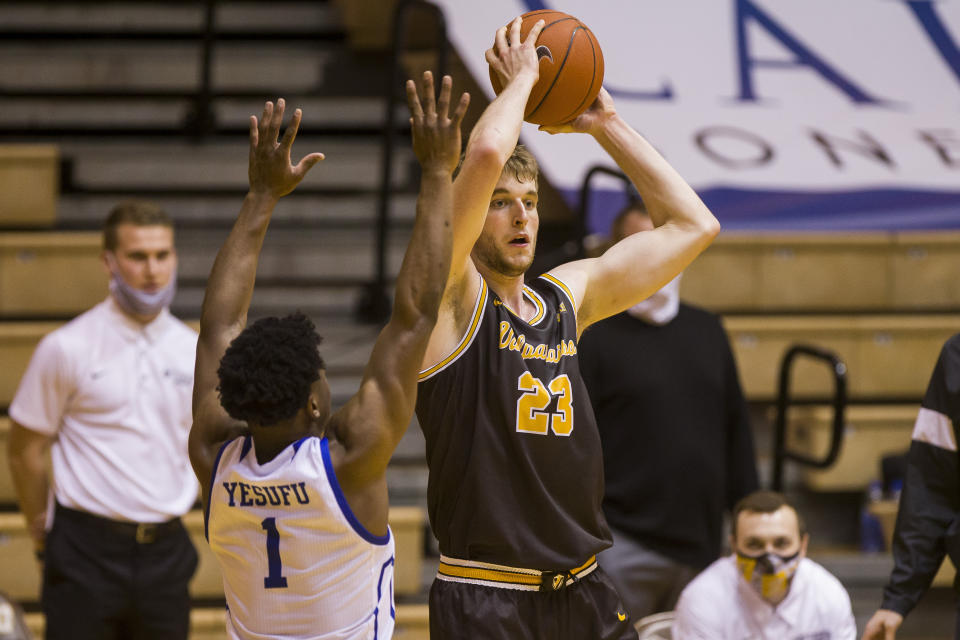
point(295, 561)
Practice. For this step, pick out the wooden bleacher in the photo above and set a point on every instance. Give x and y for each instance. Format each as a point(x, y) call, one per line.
point(29, 185)
point(32, 268)
point(871, 432)
point(884, 302)
point(208, 623)
point(888, 357)
point(868, 272)
point(17, 342)
point(832, 273)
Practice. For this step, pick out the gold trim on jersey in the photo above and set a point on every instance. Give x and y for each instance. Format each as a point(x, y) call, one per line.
point(504, 577)
point(549, 277)
point(537, 302)
point(563, 286)
point(467, 339)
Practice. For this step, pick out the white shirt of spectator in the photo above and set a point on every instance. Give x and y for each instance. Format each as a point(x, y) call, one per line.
point(116, 397)
point(720, 605)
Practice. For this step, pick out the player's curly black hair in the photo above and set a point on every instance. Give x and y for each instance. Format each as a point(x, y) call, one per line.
point(266, 372)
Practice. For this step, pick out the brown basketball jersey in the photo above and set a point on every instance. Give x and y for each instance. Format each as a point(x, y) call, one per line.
point(516, 473)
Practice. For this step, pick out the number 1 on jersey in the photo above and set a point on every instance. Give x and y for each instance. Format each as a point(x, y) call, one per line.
point(274, 566)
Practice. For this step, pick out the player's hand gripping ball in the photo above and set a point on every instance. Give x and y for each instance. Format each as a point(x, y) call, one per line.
point(571, 68)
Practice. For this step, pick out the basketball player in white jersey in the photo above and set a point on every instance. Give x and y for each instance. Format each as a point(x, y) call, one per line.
point(296, 498)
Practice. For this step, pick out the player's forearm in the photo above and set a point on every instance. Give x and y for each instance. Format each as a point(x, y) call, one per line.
point(426, 264)
point(498, 129)
point(230, 286)
point(29, 473)
point(665, 193)
point(491, 142)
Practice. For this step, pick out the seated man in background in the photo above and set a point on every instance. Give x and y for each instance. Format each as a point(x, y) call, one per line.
point(768, 589)
point(664, 388)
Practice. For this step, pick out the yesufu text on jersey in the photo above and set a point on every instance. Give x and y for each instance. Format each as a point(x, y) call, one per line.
point(249, 495)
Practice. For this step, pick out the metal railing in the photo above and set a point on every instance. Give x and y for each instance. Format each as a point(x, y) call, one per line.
point(839, 402)
point(200, 121)
point(374, 305)
point(586, 188)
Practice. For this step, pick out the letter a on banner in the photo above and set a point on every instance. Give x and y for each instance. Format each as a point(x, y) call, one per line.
point(804, 56)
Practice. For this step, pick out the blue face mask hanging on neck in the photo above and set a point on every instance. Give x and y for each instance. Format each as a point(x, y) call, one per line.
point(136, 301)
point(142, 303)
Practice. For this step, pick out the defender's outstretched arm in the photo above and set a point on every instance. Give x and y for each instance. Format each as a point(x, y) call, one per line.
point(230, 286)
point(373, 421)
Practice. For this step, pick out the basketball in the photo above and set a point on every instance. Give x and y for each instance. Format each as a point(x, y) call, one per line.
point(571, 68)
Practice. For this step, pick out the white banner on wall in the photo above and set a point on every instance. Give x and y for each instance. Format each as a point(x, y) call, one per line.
point(783, 114)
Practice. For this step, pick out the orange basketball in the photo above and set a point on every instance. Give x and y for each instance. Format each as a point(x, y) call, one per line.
point(571, 68)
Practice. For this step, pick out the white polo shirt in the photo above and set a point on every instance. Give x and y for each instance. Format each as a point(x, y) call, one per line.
point(116, 396)
point(720, 605)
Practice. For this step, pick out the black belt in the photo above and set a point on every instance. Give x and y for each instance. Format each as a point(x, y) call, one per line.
point(141, 532)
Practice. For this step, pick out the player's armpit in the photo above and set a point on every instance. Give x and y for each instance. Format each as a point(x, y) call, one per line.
point(212, 426)
point(456, 315)
point(634, 268)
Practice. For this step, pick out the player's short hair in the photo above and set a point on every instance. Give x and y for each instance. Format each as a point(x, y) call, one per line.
point(764, 502)
point(266, 372)
point(136, 212)
point(521, 163)
point(631, 208)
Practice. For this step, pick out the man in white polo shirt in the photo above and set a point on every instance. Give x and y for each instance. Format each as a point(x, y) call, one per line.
point(109, 394)
point(768, 589)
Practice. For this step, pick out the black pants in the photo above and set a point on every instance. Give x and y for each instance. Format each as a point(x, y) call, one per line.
point(100, 583)
point(589, 609)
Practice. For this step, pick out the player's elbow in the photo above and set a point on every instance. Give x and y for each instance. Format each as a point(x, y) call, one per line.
point(26, 448)
point(708, 224)
point(706, 227)
point(487, 153)
point(417, 309)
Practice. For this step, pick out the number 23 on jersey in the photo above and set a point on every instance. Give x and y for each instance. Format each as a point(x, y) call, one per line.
point(535, 397)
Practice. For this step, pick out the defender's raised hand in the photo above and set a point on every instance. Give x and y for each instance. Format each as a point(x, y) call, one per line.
point(271, 172)
point(436, 134)
point(510, 56)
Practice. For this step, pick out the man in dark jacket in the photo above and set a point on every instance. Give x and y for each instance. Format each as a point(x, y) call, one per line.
point(928, 522)
point(675, 434)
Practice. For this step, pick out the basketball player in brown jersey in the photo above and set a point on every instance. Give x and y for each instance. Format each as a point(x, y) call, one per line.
point(516, 478)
